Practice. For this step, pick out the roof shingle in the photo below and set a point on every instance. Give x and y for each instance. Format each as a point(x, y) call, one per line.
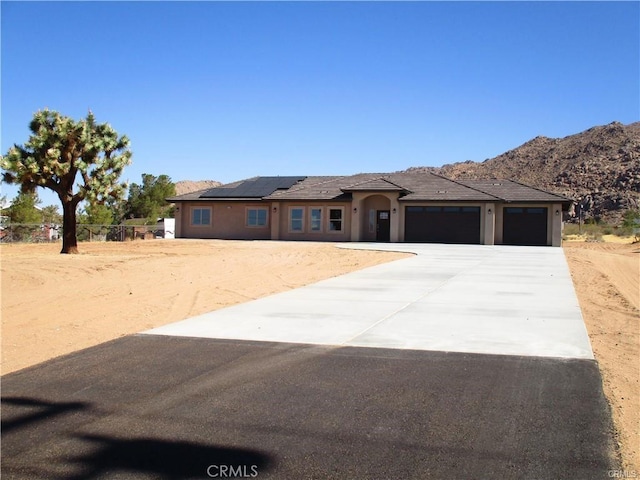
point(511, 191)
point(413, 186)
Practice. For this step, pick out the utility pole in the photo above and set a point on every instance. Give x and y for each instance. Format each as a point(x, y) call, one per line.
point(580, 218)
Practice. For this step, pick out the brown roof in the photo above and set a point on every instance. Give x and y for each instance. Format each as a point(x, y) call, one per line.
point(377, 184)
point(511, 191)
point(413, 186)
point(430, 187)
point(321, 188)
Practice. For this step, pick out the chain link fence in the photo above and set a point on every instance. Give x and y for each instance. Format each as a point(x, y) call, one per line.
point(43, 233)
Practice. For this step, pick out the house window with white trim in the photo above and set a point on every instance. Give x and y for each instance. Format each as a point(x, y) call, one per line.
point(316, 220)
point(296, 219)
point(335, 219)
point(201, 216)
point(256, 217)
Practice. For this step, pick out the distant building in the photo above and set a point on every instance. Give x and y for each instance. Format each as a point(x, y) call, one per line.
point(166, 228)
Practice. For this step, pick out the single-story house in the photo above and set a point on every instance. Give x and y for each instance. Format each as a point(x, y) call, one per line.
point(391, 207)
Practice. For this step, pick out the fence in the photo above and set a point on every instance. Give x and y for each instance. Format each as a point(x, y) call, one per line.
point(42, 233)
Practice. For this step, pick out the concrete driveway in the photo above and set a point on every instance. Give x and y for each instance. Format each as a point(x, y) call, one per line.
point(455, 298)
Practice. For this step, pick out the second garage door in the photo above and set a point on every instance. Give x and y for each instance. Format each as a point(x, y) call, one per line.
point(525, 226)
point(442, 224)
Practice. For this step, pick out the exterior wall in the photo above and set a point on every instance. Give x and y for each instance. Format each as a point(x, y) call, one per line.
point(397, 227)
point(365, 205)
point(324, 234)
point(228, 221)
point(401, 219)
point(178, 220)
point(276, 214)
point(499, 211)
point(488, 223)
point(556, 225)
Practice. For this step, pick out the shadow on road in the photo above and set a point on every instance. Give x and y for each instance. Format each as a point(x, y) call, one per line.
point(165, 459)
point(19, 412)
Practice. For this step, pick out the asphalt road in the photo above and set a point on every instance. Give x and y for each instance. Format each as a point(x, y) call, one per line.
point(163, 407)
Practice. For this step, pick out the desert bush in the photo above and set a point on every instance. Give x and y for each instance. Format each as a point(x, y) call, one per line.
point(593, 230)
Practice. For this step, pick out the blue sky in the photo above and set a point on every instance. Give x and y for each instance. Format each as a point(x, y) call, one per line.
point(230, 90)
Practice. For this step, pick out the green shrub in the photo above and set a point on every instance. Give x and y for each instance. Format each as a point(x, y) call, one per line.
point(630, 217)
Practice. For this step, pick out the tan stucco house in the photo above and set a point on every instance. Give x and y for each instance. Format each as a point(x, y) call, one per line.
point(391, 207)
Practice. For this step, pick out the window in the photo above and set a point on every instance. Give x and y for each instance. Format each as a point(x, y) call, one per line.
point(201, 216)
point(296, 219)
point(372, 221)
point(316, 219)
point(256, 217)
point(335, 219)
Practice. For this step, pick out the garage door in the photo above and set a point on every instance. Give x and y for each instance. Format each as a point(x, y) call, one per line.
point(442, 224)
point(524, 226)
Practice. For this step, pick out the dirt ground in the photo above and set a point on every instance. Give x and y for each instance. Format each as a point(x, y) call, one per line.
point(55, 304)
point(606, 277)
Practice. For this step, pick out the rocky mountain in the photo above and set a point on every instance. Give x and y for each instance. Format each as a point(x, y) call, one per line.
point(188, 186)
point(598, 168)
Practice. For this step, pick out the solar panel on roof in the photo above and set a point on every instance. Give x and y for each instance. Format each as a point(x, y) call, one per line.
point(253, 188)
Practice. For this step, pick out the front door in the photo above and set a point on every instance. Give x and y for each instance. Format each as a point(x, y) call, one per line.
point(383, 225)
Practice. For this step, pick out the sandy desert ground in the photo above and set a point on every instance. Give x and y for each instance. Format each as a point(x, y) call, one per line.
point(607, 280)
point(55, 304)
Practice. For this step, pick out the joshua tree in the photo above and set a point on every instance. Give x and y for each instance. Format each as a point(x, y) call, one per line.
point(59, 149)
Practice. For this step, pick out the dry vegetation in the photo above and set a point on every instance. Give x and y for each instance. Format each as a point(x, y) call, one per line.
point(55, 304)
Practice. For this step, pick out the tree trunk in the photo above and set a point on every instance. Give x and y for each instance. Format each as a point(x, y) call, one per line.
point(69, 238)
